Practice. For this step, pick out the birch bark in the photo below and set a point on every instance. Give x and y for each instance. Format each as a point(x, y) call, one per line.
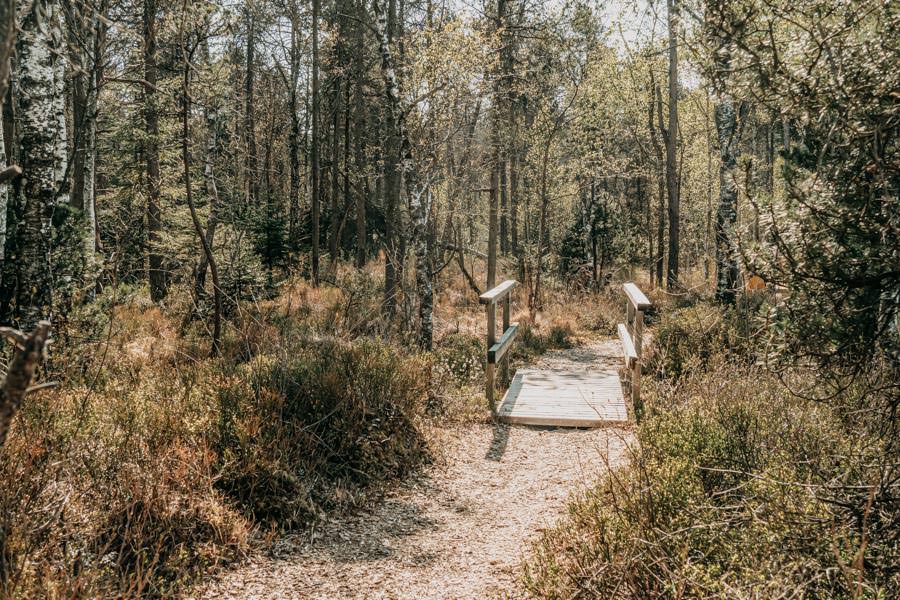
point(418, 195)
point(40, 66)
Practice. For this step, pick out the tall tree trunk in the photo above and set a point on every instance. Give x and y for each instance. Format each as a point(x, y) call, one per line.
point(314, 151)
point(671, 149)
point(504, 208)
point(497, 113)
point(294, 137)
point(38, 53)
point(4, 201)
point(726, 212)
point(536, 304)
point(709, 175)
point(85, 94)
point(7, 42)
point(395, 250)
point(660, 180)
point(417, 188)
point(334, 223)
point(592, 234)
point(212, 191)
point(157, 274)
point(360, 141)
point(186, 163)
point(251, 164)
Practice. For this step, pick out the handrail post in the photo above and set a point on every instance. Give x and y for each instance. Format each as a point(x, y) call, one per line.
point(497, 352)
point(491, 308)
point(638, 365)
point(504, 365)
point(635, 304)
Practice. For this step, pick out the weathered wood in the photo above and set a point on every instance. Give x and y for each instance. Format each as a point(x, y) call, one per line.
point(636, 297)
point(491, 311)
point(496, 294)
point(637, 333)
point(628, 349)
point(498, 350)
point(20, 373)
point(632, 335)
point(504, 365)
point(564, 399)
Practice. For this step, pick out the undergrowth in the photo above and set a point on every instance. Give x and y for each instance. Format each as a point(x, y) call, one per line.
point(735, 487)
point(152, 464)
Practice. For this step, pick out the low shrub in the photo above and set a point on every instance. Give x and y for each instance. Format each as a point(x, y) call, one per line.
point(533, 341)
point(314, 428)
point(687, 338)
point(458, 378)
point(109, 490)
point(151, 463)
point(736, 490)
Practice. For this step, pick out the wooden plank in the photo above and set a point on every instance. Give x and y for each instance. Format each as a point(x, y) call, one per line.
point(636, 296)
point(627, 346)
point(495, 294)
point(496, 352)
point(560, 398)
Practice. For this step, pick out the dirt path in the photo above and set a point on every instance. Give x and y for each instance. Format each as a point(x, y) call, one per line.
point(457, 531)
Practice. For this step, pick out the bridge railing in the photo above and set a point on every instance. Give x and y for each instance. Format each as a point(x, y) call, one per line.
point(497, 349)
point(631, 333)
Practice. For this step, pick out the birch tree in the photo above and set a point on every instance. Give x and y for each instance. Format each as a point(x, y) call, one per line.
point(417, 190)
point(43, 156)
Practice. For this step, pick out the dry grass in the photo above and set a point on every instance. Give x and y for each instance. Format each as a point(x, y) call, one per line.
point(737, 489)
point(152, 464)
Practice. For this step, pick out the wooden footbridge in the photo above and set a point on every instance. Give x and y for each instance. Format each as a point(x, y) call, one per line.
point(563, 398)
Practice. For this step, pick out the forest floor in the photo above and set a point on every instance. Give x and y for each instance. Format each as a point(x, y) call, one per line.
point(457, 530)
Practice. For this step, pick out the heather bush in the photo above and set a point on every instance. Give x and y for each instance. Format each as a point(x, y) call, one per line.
point(152, 464)
point(735, 489)
point(325, 414)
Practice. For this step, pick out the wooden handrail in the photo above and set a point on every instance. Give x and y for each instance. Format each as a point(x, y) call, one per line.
point(627, 346)
point(497, 349)
point(637, 298)
point(631, 332)
point(498, 293)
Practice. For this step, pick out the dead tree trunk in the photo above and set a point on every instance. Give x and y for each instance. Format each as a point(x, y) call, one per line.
point(21, 370)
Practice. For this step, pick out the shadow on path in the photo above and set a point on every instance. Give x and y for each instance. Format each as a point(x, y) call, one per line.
point(498, 442)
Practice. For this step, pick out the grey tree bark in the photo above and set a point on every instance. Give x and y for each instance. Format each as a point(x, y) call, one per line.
point(671, 136)
point(89, 24)
point(157, 274)
point(727, 272)
point(660, 178)
point(43, 157)
point(293, 106)
point(314, 150)
point(416, 186)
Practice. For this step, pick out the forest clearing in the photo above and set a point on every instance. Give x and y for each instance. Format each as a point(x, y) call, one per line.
point(449, 299)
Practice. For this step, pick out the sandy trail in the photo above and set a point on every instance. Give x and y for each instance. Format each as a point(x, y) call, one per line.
point(459, 530)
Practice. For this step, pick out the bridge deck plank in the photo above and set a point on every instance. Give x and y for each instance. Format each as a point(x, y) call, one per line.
point(564, 398)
